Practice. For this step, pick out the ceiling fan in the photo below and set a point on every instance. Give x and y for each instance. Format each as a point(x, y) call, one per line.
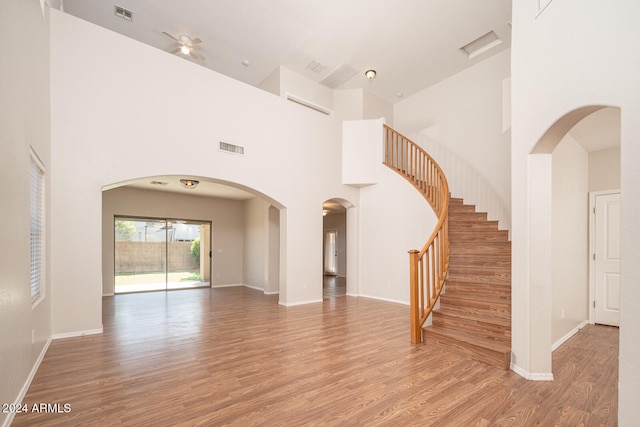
point(186, 46)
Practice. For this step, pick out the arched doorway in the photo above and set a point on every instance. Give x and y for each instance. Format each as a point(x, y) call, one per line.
point(564, 167)
point(242, 224)
point(334, 250)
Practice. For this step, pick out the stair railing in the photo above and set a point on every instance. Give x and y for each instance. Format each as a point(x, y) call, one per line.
point(428, 266)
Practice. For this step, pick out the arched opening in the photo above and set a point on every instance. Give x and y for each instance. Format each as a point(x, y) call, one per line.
point(243, 226)
point(335, 247)
point(577, 156)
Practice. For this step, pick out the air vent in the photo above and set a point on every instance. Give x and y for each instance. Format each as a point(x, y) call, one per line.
point(123, 13)
point(339, 76)
point(481, 44)
point(316, 66)
point(158, 183)
point(308, 104)
point(231, 148)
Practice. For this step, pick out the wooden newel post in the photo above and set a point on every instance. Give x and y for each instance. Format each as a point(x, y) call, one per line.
point(416, 331)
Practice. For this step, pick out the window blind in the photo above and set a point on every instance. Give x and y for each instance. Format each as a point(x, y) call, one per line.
point(36, 226)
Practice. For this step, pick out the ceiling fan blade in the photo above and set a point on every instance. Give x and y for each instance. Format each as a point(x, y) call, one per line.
point(175, 50)
point(171, 37)
point(196, 55)
point(195, 41)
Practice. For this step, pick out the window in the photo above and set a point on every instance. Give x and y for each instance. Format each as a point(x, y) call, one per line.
point(36, 226)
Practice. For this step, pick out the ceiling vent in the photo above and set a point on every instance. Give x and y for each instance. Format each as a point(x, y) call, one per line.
point(316, 66)
point(339, 76)
point(123, 13)
point(231, 148)
point(481, 44)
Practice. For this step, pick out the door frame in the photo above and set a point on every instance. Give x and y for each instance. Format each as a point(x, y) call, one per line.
point(592, 249)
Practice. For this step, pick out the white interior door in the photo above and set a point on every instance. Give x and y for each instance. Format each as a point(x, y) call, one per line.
point(607, 259)
point(331, 252)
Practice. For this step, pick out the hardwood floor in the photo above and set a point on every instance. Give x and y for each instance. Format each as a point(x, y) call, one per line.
point(233, 356)
point(333, 286)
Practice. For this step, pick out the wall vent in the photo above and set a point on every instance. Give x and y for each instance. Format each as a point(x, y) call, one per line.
point(308, 104)
point(231, 148)
point(123, 13)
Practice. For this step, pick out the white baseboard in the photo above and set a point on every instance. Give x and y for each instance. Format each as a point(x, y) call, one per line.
point(385, 299)
point(531, 376)
point(108, 294)
point(291, 304)
point(27, 383)
point(271, 292)
point(254, 287)
point(232, 285)
point(77, 333)
point(571, 333)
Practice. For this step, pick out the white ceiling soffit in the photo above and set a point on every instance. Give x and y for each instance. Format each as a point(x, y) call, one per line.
point(412, 44)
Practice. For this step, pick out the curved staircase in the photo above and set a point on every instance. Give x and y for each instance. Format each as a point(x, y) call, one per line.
point(462, 275)
point(474, 317)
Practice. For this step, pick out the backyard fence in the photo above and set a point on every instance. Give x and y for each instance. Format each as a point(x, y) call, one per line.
point(149, 257)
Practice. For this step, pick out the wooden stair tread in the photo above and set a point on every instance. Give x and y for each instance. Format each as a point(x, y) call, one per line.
point(476, 236)
point(472, 317)
point(489, 312)
point(471, 338)
point(462, 298)
point(489, 292)
point(483, 248)
point(492, 352)
point(471, 284)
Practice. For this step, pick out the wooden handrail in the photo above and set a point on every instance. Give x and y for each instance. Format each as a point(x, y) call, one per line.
point(428, 266)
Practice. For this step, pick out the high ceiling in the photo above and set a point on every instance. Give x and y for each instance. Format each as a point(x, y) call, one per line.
point(412, 44)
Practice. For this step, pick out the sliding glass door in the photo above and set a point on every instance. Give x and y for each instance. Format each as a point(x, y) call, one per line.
point(154, 254)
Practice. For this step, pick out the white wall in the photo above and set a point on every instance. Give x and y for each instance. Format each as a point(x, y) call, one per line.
point(465, 115)
point(256, 243)
point(467, 182)
point(24, 108)
point(575, 54)
point(569, 245)
point(374, 107)
point(604, 169)
point(394, 218)
point(115, 101)
point(227, 227)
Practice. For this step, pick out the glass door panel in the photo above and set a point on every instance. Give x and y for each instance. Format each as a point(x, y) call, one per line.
point(187, 262)
point(159, 254)
point(140, 255)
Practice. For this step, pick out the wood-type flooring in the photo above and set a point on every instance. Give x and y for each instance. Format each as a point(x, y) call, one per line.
point(233, 356)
